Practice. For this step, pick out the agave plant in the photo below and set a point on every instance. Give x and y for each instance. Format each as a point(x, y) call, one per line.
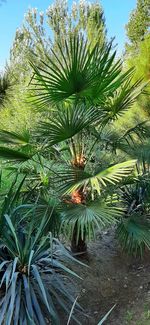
point(81, 92)
point(34, 276)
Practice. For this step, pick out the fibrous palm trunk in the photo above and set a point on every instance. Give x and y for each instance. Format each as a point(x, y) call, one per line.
point(78, 244)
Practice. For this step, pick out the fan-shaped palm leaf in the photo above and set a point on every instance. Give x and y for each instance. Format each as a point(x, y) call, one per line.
point(77, 71)
point(88, 217)
point(67, 122)
point(140, 151)
point(134, 234)
point(15, 155)
point(16, 138)
point(73, 179)
point(122, 99)
point(113, 140)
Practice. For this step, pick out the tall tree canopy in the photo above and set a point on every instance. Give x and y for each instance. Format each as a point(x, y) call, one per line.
point(139, 23)
point(138, 50)
point(39, 30)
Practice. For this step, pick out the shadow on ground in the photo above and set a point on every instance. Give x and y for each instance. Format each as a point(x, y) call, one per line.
point(113, 278)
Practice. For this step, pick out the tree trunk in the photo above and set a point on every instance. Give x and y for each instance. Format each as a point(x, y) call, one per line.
point(80, 245)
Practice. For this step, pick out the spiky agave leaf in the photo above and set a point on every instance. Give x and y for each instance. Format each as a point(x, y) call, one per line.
point(106, 316)
point(33, 270)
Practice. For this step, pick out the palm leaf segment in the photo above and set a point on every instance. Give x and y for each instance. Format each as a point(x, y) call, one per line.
point(134, 234)
point(15, 138)
point(75, 70)
point(67, 122)
point(88, 217)
point(74, 179)
point(114, 140)
point(21, 148)
point(123, 98)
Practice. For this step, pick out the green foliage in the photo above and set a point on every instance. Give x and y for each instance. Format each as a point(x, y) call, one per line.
point(134, 234)
point(142, 70)
point(34, 273)
point(139, 23)
point(85, 218)
point(5, 87)
point(83, 17)
point(81, 91)
point(34, 36)
point(75, 179)
point(134, 229)
point(141, 60)
point(61, 21)
point(66, 123)
point(76, 72)
point(76, 163)
point(74, 153)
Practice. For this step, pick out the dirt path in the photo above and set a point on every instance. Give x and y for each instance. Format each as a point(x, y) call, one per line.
point(113, 278)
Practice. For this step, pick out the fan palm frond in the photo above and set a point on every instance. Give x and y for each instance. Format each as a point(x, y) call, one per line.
point(122, 99)
point(134, 234)
point(88, 217)
point(112, 140)
point(14, 155)
point(76, 71)
point(140, 150)
point(16, 138)
point(140, 131)
point(67, 122)
point(21, 146)
point(74, 179)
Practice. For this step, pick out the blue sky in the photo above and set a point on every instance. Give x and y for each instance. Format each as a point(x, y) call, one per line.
point(12, 13)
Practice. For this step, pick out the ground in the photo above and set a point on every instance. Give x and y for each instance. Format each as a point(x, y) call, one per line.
point(114, 278)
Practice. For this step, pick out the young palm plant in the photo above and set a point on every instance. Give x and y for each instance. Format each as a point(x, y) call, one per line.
point(133, 231)
point(81, 92)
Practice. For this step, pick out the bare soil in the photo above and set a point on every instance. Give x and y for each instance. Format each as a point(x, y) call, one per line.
point(114, 278)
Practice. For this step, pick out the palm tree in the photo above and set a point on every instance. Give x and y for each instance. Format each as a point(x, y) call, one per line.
point(81, 93)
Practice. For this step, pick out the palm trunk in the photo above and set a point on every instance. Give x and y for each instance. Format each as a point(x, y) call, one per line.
point(80, 245)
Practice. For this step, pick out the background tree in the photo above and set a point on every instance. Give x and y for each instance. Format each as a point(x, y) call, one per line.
point(39, 30)
point(36, 35)
point(137, 56)
point(5, 87)
point(139, 23)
